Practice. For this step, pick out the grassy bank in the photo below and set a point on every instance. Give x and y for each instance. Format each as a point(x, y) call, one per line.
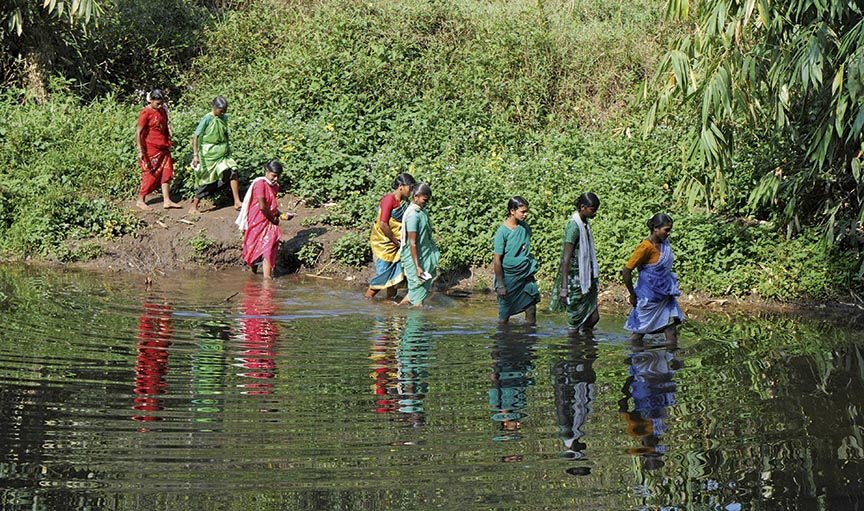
point(481, 100)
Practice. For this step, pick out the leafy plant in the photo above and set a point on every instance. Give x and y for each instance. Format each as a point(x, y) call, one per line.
point(310, 252)
point(352, 250)
point(201, 244)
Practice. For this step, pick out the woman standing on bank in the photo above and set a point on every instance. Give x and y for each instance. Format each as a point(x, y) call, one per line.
point(419, 254)
point(514, 266)
point(575, 288)
point(383, 238)
point(153, 138)
point(655, 308)
point(211, 156)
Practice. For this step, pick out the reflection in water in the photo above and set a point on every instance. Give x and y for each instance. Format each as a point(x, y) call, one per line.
point(385, 336)
point(413, 361)
point(400, 359)
point(573, 379)
point(208, 369)
point(258, 335)
point(512, 356)
point(151, 362)
point(652, 390)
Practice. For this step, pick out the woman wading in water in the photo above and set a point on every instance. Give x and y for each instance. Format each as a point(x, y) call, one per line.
point(419, 254)
point(575, 288)
point(383, 240)
point(514, 266)
point(655, 308)
point(259, 220)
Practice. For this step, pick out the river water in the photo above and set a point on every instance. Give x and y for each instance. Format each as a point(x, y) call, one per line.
point(216, 392)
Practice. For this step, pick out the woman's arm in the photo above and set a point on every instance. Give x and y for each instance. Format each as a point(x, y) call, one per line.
point(499, 275)
point(195, 150)
point(627, 277)
point(565, 269)
point(415, 255)
point(385, 228)
point(271, 215)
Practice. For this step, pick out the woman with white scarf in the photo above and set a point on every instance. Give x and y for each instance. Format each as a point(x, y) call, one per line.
point(575, 288)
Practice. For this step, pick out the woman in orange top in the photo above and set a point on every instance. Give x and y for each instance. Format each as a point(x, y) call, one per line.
point(655, 308)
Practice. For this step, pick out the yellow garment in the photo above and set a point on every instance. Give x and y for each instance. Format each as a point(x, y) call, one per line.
point(382, 247)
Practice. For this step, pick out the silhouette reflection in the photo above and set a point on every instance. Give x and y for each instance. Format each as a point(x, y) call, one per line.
point(652, 390)
point(208, 370)
point(413, 360)
point(151, 361)
point(385, 336)
point(573, 380)
point(400, 360)
point(512, 356)
point(258, 335)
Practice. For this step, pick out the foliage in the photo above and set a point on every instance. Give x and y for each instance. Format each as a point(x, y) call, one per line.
point(201, 244)
point(783, 69)
point(310, 252)
point(95, 56)
point(352, 250)
point(482, 100)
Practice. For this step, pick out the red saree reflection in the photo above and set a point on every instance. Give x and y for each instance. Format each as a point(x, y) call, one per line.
point(151, 362)
point(258, 339)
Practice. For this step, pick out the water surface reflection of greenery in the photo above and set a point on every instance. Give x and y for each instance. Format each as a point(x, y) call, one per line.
point(300, 396)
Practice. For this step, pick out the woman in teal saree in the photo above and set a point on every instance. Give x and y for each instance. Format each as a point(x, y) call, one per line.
point(419, 253)
point(514, 266)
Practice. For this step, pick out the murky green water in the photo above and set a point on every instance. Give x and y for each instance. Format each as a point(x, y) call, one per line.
point(218, 393)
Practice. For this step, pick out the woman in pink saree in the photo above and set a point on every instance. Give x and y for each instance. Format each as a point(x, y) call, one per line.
point(259, 220)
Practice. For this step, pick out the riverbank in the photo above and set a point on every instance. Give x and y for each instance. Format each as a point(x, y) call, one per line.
point(170, 242)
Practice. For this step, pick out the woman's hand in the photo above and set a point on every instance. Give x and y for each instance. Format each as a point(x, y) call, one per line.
point(501, 290)
point(195, 162)
point(420, 272)
point(562, 292)
point(632, 300)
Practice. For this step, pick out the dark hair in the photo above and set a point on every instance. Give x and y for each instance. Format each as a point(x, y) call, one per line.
point(515, 202)
point(156, 94)
point(404, 179)
point(424, 190)
point(220, 102)
point(659, 220)
point(589, 200)
point(273, 166)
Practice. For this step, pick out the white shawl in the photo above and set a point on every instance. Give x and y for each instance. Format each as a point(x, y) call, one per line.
point(587, 256)
point(243, 217)
point(403, 231)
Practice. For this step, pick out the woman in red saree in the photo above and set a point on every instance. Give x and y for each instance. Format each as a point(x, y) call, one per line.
point(153, 138)
point(259, 220)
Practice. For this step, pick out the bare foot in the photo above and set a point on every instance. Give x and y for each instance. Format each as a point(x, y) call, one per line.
point(171, 205)
point(193, 211)
point(143, 205)
point(238, 206)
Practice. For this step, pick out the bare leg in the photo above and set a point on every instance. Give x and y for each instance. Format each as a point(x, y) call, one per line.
point(193, 209)
point(531, 315)
point(370, 293)
point(142, 203)
point(167, 203)
point(671, 333)
point(636, 339)
point(267, 269)
point(591, 321)
point(235, 191)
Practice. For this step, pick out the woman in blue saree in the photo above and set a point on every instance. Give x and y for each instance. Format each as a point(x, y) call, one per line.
point(655, 307)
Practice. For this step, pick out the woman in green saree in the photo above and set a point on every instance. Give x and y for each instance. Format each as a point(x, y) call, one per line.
point(575, 290)
point(419, 254)
point(211, 160)
point(514, 266)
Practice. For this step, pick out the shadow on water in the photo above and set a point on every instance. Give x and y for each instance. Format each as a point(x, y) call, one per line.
point(298, 395)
